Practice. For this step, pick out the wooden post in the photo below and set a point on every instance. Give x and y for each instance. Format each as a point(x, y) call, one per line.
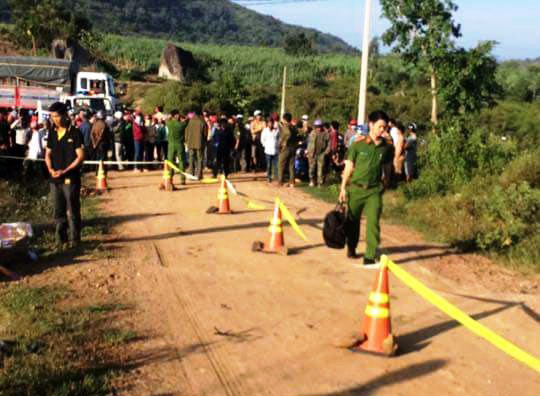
point(364, 67)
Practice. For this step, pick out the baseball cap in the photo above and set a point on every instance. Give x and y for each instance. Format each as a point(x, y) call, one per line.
point(318, 122)
point(305, 117)
point(257, 113)
point(239, 116)
point(362, 129)
point(352, 122)
point(412, 126)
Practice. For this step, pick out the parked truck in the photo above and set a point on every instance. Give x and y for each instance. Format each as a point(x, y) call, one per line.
point(32, 82)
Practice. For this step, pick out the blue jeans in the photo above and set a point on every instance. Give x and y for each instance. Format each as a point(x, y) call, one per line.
point(139, 149)
point(271, 166)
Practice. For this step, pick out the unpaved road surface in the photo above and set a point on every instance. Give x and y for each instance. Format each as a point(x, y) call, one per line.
point(229, 321)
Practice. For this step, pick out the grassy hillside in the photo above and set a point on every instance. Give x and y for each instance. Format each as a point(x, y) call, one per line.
point(255, 65)
point(208, 21)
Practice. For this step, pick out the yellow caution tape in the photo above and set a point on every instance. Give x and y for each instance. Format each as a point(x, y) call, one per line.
point(209, 180)
point(289, 217)
point(249, 203)
point(189, 176)
point(254, 206)
point(231, 187)
point(455, 313)
point(173, 166)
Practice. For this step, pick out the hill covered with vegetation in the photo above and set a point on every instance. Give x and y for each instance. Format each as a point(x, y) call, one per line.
point(206, 21)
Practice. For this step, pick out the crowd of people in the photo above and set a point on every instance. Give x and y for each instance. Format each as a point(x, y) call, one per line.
point(367, 159)
point(289, 150)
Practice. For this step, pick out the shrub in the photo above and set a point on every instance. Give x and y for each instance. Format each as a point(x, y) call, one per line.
point(505, 216)
point(524, 168)
point(455, 155)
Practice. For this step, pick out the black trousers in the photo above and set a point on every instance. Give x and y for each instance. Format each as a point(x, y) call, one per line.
point(222, 162)
point(67, 206)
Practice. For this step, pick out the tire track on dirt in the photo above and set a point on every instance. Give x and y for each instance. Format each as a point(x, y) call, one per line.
point(222, 370)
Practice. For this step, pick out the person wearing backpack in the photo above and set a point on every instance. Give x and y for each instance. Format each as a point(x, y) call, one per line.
point(362, 188)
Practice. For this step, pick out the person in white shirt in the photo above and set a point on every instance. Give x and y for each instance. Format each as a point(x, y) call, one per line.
point(270, 141)
point(35, 138)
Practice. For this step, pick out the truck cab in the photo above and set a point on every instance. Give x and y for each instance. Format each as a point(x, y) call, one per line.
point(93, 91)
point(94, 84)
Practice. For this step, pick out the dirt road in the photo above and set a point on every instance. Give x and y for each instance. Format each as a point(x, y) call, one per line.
point(237, 322)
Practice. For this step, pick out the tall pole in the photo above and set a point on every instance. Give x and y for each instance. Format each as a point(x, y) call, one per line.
point(283, 92)
point(364, 67)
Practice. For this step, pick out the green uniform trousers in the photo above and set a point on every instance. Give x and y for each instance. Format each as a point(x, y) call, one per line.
point(196, 162)
point(176, 155)
point(316, 168)
point(286, 159)
point(370, 201)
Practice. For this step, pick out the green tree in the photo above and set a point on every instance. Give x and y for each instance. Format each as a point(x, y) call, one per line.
point(298, 45)
point(422, 30)
point(45, 20)
point(467, 79)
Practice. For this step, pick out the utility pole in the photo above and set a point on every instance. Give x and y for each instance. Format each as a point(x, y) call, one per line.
point(283, 92)
point(364, 66)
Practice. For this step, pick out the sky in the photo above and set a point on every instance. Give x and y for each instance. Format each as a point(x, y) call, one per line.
point(515, 25)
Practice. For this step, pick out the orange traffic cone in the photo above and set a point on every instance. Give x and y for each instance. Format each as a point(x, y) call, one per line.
point(166, 182)
point(377, 328)
point(224, 206)
point(276, 243)
point(101, 179)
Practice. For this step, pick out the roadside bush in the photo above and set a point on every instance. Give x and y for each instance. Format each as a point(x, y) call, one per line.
point(485, 215)
point(505, 216)
point(454, 155)
point(524, 168)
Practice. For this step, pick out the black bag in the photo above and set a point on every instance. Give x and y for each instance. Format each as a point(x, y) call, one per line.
point(334, 233)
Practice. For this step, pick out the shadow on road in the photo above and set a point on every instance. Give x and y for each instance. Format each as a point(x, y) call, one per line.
point(300, 249)
point(209, 230)
point(425, 256)
point(418, 339)
point(526, 309)
point(393, 377)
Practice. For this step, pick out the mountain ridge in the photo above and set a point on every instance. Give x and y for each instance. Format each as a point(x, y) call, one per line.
point(205, 21)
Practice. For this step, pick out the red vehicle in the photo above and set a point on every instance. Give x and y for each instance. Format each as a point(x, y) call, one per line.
point(26, 80)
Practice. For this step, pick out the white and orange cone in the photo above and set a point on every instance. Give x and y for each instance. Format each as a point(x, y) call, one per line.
point(101, 179)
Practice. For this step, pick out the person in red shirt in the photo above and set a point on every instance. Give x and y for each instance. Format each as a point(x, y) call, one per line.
point(138, 140)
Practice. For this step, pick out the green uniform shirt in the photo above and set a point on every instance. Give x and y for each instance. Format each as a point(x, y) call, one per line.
point(318, 143)
point(176, 132)
point(288, 137)
point(368, 159)
point(196, 133)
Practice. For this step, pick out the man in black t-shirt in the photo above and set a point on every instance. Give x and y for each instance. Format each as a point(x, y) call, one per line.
point(64, 157)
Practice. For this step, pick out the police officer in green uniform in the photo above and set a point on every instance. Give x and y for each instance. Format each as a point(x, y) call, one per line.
point(176, 138)
point(363, 169)
point(196, 136)
point(288, 139)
